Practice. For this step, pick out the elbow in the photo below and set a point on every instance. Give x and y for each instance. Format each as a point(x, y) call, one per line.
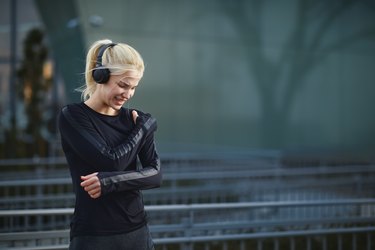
point(159, 179)
point(153, 182)
point(160, 174)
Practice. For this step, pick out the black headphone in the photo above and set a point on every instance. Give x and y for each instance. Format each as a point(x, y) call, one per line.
point(100, 73)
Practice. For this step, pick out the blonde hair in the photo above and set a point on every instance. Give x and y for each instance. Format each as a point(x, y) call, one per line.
point(119, 59)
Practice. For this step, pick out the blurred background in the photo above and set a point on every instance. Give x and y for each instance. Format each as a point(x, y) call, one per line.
point(275, 97)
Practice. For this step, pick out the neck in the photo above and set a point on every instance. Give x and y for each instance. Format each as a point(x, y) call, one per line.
point(101, 107)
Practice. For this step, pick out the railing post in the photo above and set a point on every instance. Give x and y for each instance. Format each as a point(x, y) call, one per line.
point(276, 243)
point(324, 242)
point(259, 244)
point(292, 243)
point(308, 242)
point(38, 194)
point(242, 245)
point(369, 242)
point(339, 242)
point(188, 223)
point(354, 241)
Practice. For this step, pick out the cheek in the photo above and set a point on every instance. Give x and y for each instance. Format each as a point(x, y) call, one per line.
point(114, 91)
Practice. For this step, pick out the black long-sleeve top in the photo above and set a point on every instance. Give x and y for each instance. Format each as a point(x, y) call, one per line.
point(93, 142)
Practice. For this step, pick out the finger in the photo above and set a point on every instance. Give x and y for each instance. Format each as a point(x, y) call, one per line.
point(92, 186)
point(85, 177)
point(89, 182)
point(96, 195)
point(94, 191)
point(135, 115)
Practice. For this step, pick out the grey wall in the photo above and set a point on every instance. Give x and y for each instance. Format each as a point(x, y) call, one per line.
point(250, 74)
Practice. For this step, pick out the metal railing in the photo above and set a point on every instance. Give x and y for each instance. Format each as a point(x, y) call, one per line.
point(271, 206)
point(243, 224)
point(244, 183)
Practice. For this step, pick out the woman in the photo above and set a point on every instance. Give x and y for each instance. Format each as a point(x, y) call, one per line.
point(102, 142)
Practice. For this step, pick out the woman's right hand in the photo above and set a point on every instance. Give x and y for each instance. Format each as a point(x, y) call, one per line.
point(135, 115)
point(145, 120)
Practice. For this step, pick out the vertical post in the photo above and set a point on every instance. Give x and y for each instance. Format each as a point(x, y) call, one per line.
point(13, 62)
point(339, 242)
point(276, 244)
point(324, 242)
point(354, 241)
point(369, 241)
point(53, 148)
point(308, 243)
point(242, 245)
point(225, 245)
point(206, 247)
point(292, 244)
point(188, 223)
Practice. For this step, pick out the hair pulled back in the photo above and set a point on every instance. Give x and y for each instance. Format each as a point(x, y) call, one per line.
point(119, 59)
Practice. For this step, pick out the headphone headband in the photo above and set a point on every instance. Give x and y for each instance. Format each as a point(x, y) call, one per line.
point(101, 52)
point(100, 73)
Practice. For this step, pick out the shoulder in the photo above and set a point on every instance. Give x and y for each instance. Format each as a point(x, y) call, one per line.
point(73, 109)
point(72, 112)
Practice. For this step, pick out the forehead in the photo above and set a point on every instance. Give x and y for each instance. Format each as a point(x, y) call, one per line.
point(132, 74)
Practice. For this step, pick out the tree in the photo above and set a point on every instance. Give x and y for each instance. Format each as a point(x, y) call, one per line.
point(304, 50)
point(33, 86)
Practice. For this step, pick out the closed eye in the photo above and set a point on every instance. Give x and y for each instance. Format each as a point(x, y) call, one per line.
point(123, 84)
point(126, 85)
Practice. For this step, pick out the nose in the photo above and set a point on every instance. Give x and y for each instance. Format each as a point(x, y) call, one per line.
point(127, 94)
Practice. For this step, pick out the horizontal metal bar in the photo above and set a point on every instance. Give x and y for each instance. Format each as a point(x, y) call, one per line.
point(276, 222)
point(34, 235)
point(29, 212)
point(228, 189)
point(49, 247)
point(206, 206)
point(212, 175)
point(33, 161)
point(201, 206)
point(174, 157)
point(257, 224)
point(196, 226)
point(295, 233)
point(244, 236)
point(36, 182)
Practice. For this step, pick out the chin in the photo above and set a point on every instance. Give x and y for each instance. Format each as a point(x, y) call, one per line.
point(117, 107)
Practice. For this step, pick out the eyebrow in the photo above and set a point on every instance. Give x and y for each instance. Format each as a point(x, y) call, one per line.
point(126, 83)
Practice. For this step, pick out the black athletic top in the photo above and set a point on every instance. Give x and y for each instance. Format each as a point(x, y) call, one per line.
point(93, 142)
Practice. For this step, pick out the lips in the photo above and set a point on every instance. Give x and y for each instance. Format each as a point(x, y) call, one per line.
point(119, 101)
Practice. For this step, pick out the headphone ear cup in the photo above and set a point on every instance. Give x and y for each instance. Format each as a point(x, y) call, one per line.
point(101, 75)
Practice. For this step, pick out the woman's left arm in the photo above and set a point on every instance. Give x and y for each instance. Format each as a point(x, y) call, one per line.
point(149, 176)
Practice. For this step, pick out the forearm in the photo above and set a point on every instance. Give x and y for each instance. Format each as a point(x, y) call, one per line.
point(149, 176)
point(146, 178)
